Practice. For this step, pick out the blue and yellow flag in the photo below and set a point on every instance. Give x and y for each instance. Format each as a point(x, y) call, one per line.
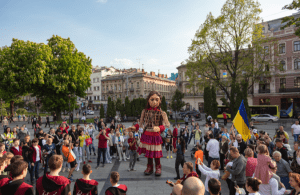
point(240, 122)
point(289, 111)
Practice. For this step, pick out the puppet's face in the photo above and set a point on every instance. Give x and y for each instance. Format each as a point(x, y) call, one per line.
point(154, 101)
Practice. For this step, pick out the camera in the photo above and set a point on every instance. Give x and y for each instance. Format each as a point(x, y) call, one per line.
point(170, 183)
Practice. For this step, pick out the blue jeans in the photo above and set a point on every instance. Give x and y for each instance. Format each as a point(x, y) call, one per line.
point(296, 137)
point(210, 159)
point(101, 151)
point(285, 181)
point(46, 164)
point(96, 126)
point(35, 170)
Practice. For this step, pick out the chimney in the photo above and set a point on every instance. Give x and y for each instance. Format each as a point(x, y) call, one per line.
point(166, 76)
point(159, 75)
point(152, 74)
point(143, 71)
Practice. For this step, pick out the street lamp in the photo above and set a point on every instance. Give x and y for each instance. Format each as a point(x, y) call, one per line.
point(69, 109)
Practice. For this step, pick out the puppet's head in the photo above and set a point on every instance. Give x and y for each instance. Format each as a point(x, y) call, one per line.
point(153, 100)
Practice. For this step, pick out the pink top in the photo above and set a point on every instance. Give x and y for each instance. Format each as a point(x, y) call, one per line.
point(250, 166)
point(262, 170)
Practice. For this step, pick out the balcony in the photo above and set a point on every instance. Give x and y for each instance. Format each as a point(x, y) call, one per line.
point(111, 91)
point(264, 91)
point(287, 90)
point(131, 89)
point(89, 92)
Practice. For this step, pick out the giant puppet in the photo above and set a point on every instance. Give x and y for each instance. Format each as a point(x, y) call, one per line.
point(153, 121)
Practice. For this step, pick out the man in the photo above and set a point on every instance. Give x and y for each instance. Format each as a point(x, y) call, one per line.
point(102, 145)
point(295, 130)
point(225, 118)
point(175, 135)
point(33, 122)
point(115, 187)
point(193, 186)
point(71, 158)
point(286, 135)
point(209, 118)
point(237, 170)
point(96, 122)
point(283, 169)
point(132, 148)
point(281, 149)
point(294, 165)
point(52, 183)
point(47, 121)
point(36, 129)
point(35, 158)
point(74, 134)
point(125, 118)
point(4, 123)
point(214, 130)
point(213, 149)
point(214, 186)
point(188, 172)
point(185, 134)
point(241, 144)
point(22, 134)
point(177, 189)
point(16, 184)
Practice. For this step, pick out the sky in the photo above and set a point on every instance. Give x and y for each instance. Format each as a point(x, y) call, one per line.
point(119, 33)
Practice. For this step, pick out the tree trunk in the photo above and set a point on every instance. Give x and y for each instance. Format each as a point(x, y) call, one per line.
point(12, 108)
point(58, 115)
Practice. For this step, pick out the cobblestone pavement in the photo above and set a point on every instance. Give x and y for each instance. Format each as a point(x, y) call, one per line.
point(136, 181)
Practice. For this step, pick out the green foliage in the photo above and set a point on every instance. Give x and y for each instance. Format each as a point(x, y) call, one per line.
point(109, 112)
point(119, 106)
point(3, 112)
point(291, 20)
point(133, 108)
point(164, 104)
point(102, 111)
point(207, 101)
point(177, 103)
point(113, 109)
point(127, 107)
point(31, 106)
point(214, 103)
point(21, 111)
point(232, 42)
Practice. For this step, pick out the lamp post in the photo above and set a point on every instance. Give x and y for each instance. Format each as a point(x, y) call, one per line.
point(69, 108)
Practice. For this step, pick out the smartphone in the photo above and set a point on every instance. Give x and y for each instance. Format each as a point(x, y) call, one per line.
point(169, 183)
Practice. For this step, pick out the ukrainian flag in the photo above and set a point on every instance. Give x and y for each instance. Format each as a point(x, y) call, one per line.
point(240, 122)
point(289, 111)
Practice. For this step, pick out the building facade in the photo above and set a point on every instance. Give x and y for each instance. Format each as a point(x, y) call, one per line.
point(136, 84)
point(283, 88)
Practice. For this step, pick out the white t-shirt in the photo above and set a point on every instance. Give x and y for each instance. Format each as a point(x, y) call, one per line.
point(213, 148)
point(18, 148)
point(37, 158)
point(217, 125)
point(271, 188)
point(296, 128)
point(229, 164)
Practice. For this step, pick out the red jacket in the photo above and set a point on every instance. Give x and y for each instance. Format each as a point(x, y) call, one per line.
point(33, 153)
point(15, 151)
point(122, 188)
point(175, 133)
point(64, 130)
point(16, 187)
point(53, 185)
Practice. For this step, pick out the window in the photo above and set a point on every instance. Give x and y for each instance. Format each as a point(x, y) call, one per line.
point(266, 50)
point(145, 85)
point(98, 88)
point(297, 46)
point(115, 87)
point(94, 80)
point(297, 64)
point(98, 97)
point(282, 83)
point(281, 48)
point(138, 85)
point(97, 79)
point(131, 85)
point(119, 87)
point(94, 88)
point(111, 87)
point(120, 96)
point(95, 97)
point(282, 65)
point(297, 82)
point(106, 87)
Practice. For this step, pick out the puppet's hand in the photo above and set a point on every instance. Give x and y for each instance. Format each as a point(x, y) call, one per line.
point(156, 129)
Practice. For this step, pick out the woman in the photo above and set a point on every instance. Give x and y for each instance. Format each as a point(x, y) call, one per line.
point(9, 137)
point(295, 183)
point(186, 120)
point(14, 132)
point(251, 162)
point(119, 141)
point(126, 137)
point(198, 154)
point(180, 150)
point(216, 123)
point(198, 135)
point(112, 124)
point(212, 172)
point(206, 128)
point(84, 148)
point(40, 120)
point(223, 150)
point(225, 133)
point(192, 134)
point(252, 186)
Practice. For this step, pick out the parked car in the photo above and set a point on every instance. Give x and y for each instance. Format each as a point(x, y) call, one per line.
point(89, 112)
point(264, 118)
point(196, 114)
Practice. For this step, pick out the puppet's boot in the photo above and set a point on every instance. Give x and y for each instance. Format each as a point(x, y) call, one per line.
point(149, 169)
point(157, 167)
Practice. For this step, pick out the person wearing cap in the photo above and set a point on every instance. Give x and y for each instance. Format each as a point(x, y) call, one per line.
point(281, 149)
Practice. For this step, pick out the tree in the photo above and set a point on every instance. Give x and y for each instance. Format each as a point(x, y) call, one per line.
point(21, 111)
point(230, 48)
point(127, 107)
point(113, 109)
point(102, 111)
point(214, 103)
point(291, 20)
point(164, 104)
point(22, 68)
point(66, 74)
point(177, 103)
point(109, 112)
point(207, 101)
point(133, 108)
point(31, 106)
point(119, 106)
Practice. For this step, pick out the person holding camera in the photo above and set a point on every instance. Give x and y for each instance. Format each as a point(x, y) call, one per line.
point(132, 151)
point(102, 145)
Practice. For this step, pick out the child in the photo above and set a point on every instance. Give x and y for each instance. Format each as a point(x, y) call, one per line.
point(263, 171)
point(52, 183)
point(2, 149)
point(169, 139)
point(198, 154)
point(8, 156)
point(48, 150)
point(16, 149)
point(78, 153)
point(115, 188)
point(2, 167)
point(86, 185)
point(83, 136)
point(35, 159)
point(16, 185)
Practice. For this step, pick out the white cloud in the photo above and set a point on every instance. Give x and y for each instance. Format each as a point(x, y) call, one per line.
point(101, 1)
point(124, 61)
point(152, 61)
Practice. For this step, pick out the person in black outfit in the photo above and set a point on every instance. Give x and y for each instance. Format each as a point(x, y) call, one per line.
point(74, 134)
point(180, 150)
point(47, 121)
point(58, 141)
point(26, 144)
point(241, 144)
point(206, 139)
point(185, 134)
point(282, 149)
point(33, 121)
